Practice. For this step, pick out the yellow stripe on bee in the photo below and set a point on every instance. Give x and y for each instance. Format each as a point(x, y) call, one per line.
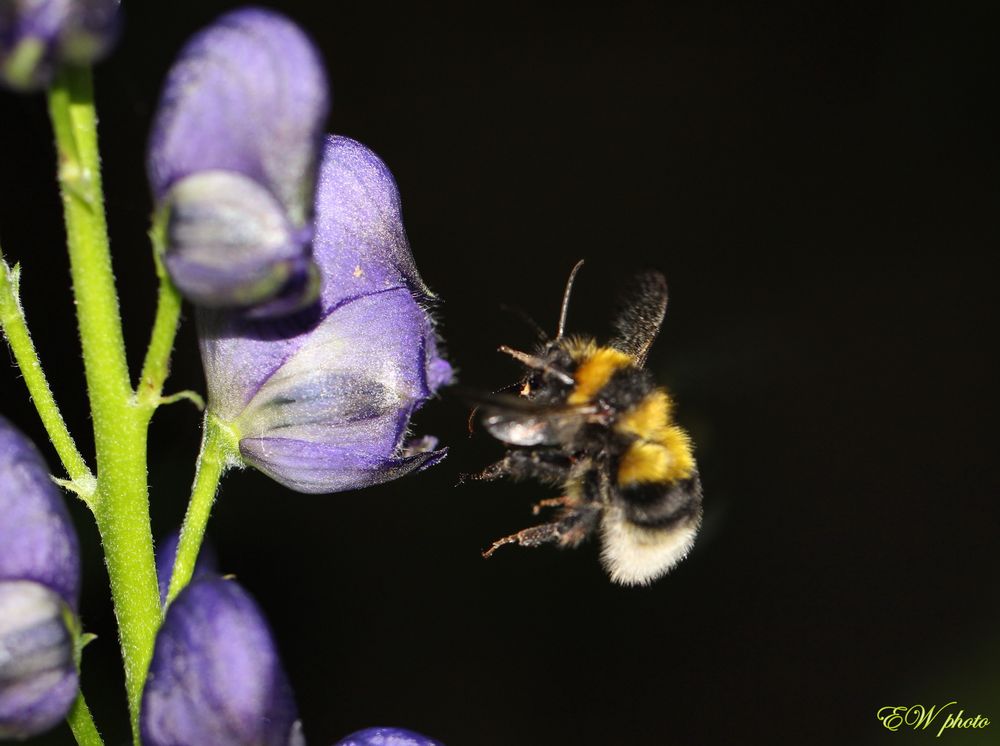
point(678, 443)
point(665, 461)
point(649, 419)
point(594, 372)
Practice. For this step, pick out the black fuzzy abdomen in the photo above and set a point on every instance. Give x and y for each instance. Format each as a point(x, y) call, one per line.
point(661, 504)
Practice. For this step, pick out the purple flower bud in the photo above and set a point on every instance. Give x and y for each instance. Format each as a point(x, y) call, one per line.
point(206, 565)
point(38, 35)
point(387, 737)
point(37, 540)
point(38, 679)
point(232, 163)
point(321, 401)
point(215, 677)
point(39, 592)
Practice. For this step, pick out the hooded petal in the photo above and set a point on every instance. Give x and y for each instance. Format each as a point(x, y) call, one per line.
point(233, 156)
point(215, 677)
point(360, 240)
point(248, 95)
point(322, 400)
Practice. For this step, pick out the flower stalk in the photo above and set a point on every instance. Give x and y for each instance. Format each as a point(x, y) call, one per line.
point(82, 723)
point(156, 366)
point(218, 451)
point(15, 329)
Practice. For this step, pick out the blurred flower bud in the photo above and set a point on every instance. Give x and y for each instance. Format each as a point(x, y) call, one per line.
point(387, 737)
point(206, 565)
point(36, 36)
point(321, 401)
point(39, 592)
point(215, 677)
point(232, 164)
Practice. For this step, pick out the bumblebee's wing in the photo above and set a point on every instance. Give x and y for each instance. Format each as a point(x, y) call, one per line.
point(523, 422)
point(639, 320)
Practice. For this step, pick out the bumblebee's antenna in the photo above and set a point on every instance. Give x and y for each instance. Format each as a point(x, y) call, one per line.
point(533, 361)
point(565, 302)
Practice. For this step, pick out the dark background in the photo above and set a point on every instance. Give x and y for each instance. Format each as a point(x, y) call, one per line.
point(818, 182)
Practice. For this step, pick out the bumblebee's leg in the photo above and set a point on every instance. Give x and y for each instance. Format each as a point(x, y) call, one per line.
point(553, 502)
point(568, 530)
point(549, 465)
point(529, 537)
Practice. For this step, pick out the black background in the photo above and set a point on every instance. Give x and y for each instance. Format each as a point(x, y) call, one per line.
point(818, 181)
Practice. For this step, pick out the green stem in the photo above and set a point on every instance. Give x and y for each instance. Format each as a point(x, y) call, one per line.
point(82, 724)
point(156, 367)
point(15, 329)
point(120, 424)
point(218, 452)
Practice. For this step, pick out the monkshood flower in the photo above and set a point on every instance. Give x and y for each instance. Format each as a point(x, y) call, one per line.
point(39, 592)
point(387, 737)
point(36, 36)
point(215, 677)
point(232, 164)
point(321, 401)
point(166, 552)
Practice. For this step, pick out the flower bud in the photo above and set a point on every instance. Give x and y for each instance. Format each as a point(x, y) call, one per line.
point(38, 679)
point(232, 164)
point(387, 737)
point(39, 592)
point(215, 677)
point(321, 401)
point(38, 35)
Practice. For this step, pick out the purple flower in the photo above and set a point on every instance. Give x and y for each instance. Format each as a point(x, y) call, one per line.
point(387, 737)
point(321, 401)
point(232, 164)
point(166, 552)
point(39, 591)
point(215, 677)
point(36, 36)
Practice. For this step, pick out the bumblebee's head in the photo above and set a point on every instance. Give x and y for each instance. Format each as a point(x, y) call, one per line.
point(538, 414)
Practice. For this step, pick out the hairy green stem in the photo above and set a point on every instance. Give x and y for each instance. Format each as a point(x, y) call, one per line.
point(156, 367)
point(218, 452)
point(120, 423)
point(82, 724)
point(15, 329)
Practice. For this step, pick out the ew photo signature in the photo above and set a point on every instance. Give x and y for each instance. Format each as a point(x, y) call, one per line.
point(919, 717)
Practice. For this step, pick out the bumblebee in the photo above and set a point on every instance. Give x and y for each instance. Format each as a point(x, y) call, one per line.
point(591, 419)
